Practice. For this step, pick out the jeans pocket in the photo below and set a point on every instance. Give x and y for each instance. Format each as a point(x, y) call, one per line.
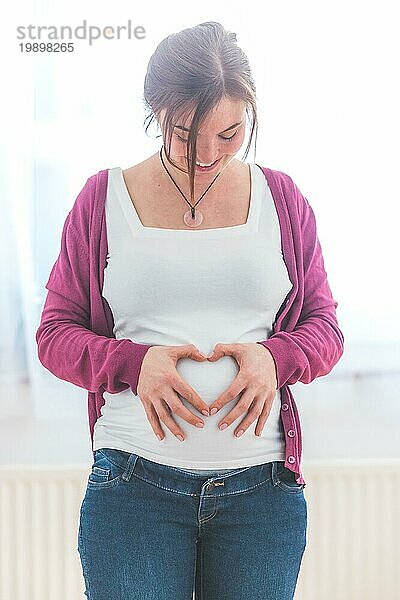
point(105, 473)
point(285, 479)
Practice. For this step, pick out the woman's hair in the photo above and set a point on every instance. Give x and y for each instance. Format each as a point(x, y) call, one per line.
point(192, 70)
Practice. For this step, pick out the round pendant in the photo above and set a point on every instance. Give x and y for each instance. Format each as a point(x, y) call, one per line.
point(189, 221)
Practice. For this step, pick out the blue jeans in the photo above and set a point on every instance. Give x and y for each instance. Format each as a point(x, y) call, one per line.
point(149, 531)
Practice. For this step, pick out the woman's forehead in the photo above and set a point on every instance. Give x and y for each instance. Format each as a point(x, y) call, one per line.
point(222, 116)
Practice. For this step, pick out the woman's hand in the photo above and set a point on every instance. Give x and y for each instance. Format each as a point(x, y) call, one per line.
point(157, 386)
point(256, 378)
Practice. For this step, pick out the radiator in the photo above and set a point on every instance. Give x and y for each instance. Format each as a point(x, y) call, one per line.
point(353, 534)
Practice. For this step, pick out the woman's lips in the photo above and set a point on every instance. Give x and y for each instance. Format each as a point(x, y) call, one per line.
point(207, 169)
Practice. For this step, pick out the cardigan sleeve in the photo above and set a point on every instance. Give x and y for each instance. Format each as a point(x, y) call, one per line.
point(315, 345)
point(66, 345)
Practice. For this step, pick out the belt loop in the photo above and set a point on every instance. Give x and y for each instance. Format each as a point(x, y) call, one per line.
point(130, 467)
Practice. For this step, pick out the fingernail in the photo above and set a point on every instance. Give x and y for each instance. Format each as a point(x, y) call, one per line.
point(199, 424)
point(223, 426)
point(179, 437)
point(159, 437)
point(213, 411)
point(206, 413)
point(239, 433)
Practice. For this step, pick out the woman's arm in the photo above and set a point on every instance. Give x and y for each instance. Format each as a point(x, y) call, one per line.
point(67, 347)
point(72, 352)
point(316, 343)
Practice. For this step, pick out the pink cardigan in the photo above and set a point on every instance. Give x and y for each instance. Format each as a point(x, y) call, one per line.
point(75, 337)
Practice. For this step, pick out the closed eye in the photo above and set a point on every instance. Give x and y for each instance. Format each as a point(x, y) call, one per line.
point(226, 139)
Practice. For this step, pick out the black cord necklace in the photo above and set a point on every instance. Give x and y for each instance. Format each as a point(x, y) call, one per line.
point(190, 218)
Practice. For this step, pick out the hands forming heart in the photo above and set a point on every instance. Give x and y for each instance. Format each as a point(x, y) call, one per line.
point(257, 379)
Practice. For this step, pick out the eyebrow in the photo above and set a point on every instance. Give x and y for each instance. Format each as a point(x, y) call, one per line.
point(227, 129)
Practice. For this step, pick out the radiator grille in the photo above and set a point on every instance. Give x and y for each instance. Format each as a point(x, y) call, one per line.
point(353, 535)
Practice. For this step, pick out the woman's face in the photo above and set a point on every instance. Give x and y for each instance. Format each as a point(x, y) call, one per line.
point(219, 138)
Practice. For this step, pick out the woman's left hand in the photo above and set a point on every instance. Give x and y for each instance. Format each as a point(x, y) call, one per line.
point(256, 378)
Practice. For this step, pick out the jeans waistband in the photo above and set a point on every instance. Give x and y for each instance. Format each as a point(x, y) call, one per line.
point(177, 480)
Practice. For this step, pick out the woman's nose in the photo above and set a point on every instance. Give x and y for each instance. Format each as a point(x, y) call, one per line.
point(207, 153)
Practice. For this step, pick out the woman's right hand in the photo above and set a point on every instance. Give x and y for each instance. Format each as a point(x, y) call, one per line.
point(157, 386)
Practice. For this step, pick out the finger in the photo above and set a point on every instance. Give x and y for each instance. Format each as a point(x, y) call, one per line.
point(223, 350)
point(154, 420)
point(242, 406)
point(163, 411)
point(176, 406)
point(252, 415)
point(187, 351)
point(236, 387)
point(262, 419)
point(187, 392)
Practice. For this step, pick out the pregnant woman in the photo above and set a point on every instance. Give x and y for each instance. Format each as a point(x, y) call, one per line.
point(188, 295)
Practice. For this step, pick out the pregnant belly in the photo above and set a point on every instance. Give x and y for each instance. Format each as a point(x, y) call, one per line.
point(208, 379)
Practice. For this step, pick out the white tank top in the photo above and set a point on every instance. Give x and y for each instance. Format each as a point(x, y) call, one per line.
point(203, 287)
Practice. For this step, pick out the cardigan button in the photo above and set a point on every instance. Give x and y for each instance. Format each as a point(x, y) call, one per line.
point(291, 459)
point(291, 433)
point(285, 406)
